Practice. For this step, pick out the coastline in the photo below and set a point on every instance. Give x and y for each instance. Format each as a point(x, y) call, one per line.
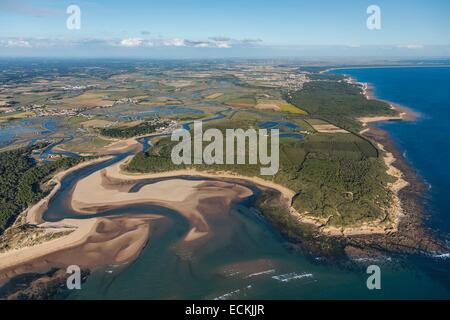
point(385, 67)
point(410, 235)
point(402, 234)
point(403, 113)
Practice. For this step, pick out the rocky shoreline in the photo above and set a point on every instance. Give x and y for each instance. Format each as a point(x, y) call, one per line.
point(412, 235)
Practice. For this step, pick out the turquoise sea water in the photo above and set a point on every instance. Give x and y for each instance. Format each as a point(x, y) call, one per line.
point(246, 259)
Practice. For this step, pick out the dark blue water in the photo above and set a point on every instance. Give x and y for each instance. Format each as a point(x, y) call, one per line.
point(277, 125)
point(286, 128)
point(425, 142)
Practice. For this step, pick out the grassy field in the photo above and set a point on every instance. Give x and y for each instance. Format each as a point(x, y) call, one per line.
point(243, 102)
point(32, 98)
point(87, 99)
point(279, 105)
point(87, 144)
point(96, 123)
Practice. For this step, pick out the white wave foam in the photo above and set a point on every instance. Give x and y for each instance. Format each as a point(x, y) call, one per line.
point(228, 295)
point(233, 293)
point(261, 273)
point(292, 276)
point(442, 256)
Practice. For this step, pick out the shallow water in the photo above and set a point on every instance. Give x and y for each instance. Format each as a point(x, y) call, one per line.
point(18, 130)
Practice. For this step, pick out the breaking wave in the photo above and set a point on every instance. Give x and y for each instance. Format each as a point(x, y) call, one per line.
point(292, 276)
point(261, 273)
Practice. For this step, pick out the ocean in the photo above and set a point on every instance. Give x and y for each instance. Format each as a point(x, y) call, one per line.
point(425, 143)
point(248, 260)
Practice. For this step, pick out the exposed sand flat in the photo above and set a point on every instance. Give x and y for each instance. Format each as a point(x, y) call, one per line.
point(81, 229)
point(103, 189)
point(115, 171)
point(33, 215)
point(90, 192)
point(93, 243)
point(120, 146)
point(366, 120)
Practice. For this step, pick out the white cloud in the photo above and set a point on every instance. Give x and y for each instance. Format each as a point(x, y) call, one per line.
point(202, 45)
point(411, 46)
point(222, 44)
point(177, 42)
point(18, 43)
point(131, 42)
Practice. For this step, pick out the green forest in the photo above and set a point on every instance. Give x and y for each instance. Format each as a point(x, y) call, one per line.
point(21, 181)
point(129, 132)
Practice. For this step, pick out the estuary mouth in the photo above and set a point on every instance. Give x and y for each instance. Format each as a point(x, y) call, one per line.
point(270, 150)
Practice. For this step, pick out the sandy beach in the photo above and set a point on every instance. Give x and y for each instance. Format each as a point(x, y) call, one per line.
point(93, 243)
point(404, 114)
point(110, 188)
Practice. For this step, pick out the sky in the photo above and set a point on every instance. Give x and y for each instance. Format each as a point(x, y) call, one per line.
point(231, 28)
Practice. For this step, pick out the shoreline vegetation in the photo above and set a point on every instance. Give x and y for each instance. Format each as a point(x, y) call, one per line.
point(24, 180)
point(33, 216)
point(74, 233)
